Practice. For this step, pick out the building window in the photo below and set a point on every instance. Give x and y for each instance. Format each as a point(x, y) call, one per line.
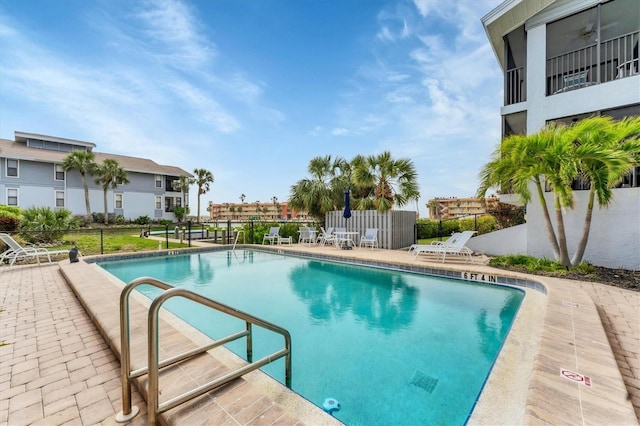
point(12, 197)
point(158, 181)
point(59, 172)
point(60, 199)
point(118, 201)
point(158, 203)
point(12, 167)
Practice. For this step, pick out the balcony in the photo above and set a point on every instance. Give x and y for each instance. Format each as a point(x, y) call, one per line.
point(597, 63)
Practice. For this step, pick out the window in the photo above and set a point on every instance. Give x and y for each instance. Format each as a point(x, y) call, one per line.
point(158, 181)
point(158, 203)
point(178, 201)
point(59, 172)
point(12, 197)
point(12, 167)
point(60, 199)
point(118, 201)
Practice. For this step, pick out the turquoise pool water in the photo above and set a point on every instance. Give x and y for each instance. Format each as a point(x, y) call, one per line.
point(393, 348)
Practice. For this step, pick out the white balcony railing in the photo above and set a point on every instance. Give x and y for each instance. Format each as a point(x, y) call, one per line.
point(598, 63)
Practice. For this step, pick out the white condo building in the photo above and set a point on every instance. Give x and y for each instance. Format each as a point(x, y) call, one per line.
point(564, 60)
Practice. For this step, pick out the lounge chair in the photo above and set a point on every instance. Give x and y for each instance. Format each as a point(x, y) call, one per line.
point(454, 245)
point(272, 236)
point(414, 248)
point(370, 238)
point(16, 251)
point(326, 236)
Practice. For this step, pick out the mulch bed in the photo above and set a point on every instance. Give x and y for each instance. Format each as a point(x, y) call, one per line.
point(622, 278)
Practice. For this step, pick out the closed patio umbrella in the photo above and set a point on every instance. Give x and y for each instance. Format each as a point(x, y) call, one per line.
point(347, 205)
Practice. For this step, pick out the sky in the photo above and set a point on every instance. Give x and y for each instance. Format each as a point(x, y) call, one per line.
point(252, 90)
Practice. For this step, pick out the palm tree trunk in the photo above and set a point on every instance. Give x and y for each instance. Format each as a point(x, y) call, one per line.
point(582, 244)
point(562, 236)
point(547, 219)
point(106, 214)
point(198, 212)
point(86, 197)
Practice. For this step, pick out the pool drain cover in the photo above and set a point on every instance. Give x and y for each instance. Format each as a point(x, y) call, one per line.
point(424, 382)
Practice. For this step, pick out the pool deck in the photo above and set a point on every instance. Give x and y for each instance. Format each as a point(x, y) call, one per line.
point(59, 363)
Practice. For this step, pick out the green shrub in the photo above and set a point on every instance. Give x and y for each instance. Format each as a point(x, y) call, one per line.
point(10, 217)
point(45, 224)
point(142, 220)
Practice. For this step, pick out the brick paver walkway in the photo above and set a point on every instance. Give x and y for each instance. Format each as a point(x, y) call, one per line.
point(620, 314)
point(55, 367)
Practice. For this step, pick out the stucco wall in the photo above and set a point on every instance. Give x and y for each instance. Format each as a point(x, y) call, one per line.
point(506, 241)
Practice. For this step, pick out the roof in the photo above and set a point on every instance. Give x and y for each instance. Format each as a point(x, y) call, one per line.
point(508, 16)
point(20, 151)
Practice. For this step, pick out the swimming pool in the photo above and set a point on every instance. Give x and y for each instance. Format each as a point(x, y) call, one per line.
point(391, 347)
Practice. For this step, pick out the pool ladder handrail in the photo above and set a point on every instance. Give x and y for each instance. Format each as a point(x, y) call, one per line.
point(154, 365)
point(240, 231)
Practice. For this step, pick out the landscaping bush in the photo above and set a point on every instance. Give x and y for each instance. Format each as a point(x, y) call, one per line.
point(45, 224)
point(10, 217)
point(142, 220)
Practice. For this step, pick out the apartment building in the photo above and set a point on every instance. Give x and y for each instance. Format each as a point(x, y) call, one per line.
point(31, 174)
point(564, 60)
point(270, 211)
point(454, 207)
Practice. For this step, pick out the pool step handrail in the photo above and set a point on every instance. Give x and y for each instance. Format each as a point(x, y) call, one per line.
point(154, 365)
point(240, 231)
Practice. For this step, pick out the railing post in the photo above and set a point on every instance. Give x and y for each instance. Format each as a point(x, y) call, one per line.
point(189, 229)
point(249, 342)
point(166, 234)
point(229, 231)
point(101, 241)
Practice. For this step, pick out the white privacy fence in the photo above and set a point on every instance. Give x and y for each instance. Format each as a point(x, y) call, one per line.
point(395, 227)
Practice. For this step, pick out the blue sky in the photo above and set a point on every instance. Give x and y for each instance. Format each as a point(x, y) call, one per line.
point(252, 90)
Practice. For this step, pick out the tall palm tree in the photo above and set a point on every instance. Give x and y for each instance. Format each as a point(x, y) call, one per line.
point(109, 175)
point(394, 182)
point(182, 184)
point(324, 190)
point(203, 179)
point(242, 198)
point(605, 151)
point(84, 163)
point(274, 200)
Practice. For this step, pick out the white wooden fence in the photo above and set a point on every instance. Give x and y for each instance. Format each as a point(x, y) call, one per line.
point(395, 227)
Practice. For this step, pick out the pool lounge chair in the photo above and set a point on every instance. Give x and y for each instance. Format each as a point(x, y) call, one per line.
point(16, 251)
point(326, 236)
point(454, 245)
point(272, 236)
point(370, 238)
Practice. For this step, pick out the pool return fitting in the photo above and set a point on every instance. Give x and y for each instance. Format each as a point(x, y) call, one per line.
point(154, 365)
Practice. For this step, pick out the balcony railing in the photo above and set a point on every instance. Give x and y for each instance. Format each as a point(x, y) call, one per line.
point(515, 90)
point(612, 59)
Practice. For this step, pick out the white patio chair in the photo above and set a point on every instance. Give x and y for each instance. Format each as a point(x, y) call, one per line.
point(272, 236)
point(16, 251)
point(370, 238)
point(454, 245)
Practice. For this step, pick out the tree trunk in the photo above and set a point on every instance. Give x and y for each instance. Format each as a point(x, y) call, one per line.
point(86, 197)
point(106, 214)
point(547, 219)
point(198, 212)
point(562, 236)
point(582, 244)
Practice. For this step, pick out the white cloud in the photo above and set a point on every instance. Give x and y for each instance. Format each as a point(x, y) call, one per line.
point(341, 131)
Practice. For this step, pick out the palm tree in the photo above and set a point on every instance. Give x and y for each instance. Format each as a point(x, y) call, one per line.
point(324, 191)
point(594, 149)
point(109, 175)
point(182, 184)
point(242, 198)
point(519, 161)
point(394, 182)
point(274, 199)
point(203, 179)
point(605, 151)
point(83, 162)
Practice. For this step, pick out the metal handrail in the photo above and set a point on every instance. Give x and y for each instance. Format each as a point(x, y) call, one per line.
point(154, 364)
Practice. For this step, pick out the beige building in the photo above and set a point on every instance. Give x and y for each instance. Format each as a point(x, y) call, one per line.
point(254, 211)
point(453, 207)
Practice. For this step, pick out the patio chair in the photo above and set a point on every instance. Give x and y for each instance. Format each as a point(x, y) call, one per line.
point(370, 238)
point(307, 235)
point(272, 236)
point(326, 236)
point(454, 245)
point(414, 248)
point(16, 251)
